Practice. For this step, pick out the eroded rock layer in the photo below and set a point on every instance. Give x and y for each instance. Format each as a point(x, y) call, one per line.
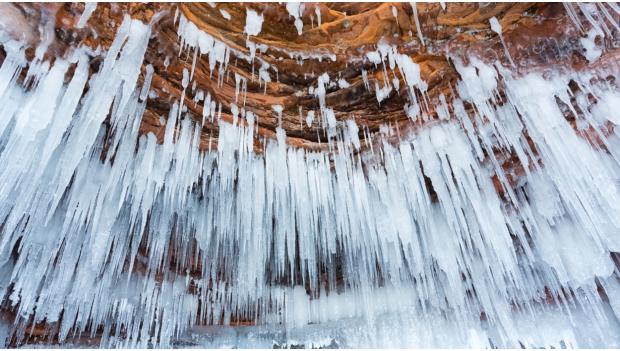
point(536, 36)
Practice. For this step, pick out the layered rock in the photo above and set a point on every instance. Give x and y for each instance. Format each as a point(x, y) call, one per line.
point(537, 36)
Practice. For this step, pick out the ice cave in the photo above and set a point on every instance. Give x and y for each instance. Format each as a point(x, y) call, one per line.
point(336, 175)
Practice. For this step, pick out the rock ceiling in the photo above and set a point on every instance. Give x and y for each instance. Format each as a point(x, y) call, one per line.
point(536, 36)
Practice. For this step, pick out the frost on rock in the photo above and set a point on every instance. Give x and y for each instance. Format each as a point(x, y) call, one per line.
point(406, 243)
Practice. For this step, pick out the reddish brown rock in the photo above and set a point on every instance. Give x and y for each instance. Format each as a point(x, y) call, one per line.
point(537, 35)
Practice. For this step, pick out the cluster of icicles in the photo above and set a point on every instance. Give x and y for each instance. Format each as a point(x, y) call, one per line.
point(146, 244)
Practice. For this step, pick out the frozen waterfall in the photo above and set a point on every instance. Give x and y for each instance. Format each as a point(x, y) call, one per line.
point(419, 239)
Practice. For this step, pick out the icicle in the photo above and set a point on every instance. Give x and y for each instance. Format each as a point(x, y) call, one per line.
point(278, 110)
point(417, 22)
point(497, 28)
point(295, 9)
point(365, 79)
point(89, 8)
point(225, 14)
point(395, 13)
point(263, 74)
point(317, 11)
point(382, 92)
point(253, 22)
point(310, 118)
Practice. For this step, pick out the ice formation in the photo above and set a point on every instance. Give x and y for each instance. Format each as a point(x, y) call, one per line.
point(89, 8)
point(295, 9)
point(407, 244)
point(253, 22)
point(497, 28)
point(225, 14)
